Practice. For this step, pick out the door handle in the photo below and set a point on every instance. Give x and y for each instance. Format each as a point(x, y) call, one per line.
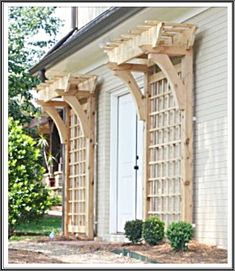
point(136, 167)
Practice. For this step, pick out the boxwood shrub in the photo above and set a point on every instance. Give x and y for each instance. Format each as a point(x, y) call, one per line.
point(153, 230)
point(179, 234)
point(133, 230)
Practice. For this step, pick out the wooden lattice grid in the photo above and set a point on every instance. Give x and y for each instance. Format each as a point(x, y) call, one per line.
point(164, 159)
point(77, 177)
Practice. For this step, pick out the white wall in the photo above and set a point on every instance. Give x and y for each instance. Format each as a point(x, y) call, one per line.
point(86, 14)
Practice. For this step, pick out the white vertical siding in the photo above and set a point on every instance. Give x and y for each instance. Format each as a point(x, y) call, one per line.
point(86, 14)
point(210, 128)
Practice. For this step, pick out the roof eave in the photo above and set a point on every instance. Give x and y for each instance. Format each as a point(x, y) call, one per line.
point(93, 30)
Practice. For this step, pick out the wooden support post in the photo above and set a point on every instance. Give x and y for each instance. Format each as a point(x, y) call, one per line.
point(187, 140)
point(178, 88)
point(90, 168)
point(67, 173)
point(139, 98)
point(146, 149)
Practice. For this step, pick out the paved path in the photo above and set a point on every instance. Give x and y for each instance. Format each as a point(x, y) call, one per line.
point(74, 252)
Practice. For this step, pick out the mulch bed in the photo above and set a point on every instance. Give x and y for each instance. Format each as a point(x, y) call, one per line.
point(196, 253)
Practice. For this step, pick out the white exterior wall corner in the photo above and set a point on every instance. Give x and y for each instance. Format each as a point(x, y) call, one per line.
point(210, 184)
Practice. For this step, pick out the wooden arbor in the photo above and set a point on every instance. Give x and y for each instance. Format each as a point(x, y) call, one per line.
point(77, 95)
point(165, 107)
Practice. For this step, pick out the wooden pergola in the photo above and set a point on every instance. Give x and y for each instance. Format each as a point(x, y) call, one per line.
point(165, 106)
point(76, 94)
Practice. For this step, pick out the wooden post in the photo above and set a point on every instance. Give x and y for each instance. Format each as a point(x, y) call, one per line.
point(146, 144)
point(187, 139)
point(67, 173)
point(90, 168)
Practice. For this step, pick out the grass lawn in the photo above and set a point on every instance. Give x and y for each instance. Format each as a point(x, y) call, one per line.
point(43, 226)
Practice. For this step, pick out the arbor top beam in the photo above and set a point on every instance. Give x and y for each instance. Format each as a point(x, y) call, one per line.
point(61, 84)
point(153, 35)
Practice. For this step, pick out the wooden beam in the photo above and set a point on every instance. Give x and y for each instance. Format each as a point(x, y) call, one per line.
point(162, 49)
point(47, 91)
point(51, 103)
point(88, 85)
point(146, 148)
point(178, 88)
point(90, 163)
point(155, 35)
point(187, 140)
point(128, 66)
point(62, 129)
point(76, 106)
point(66, 174)
point(139, 98)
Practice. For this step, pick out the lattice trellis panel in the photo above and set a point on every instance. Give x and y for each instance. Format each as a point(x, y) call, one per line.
point(77, 177)
point(164, 160)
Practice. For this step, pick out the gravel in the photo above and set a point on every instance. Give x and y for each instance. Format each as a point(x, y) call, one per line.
point(69, 253)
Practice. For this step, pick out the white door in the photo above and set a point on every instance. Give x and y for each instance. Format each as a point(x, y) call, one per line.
point(129, 181)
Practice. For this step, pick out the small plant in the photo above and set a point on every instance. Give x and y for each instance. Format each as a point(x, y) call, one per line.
point(153, 230)
point(133, 230)
point(48, 157)
point(179, 234)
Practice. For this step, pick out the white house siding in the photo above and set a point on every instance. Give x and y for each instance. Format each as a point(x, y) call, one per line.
point(210, 131)
point(109, 82)
point(210, 128)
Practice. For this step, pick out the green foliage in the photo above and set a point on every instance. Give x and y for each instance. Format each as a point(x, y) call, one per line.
point(179, 234)
point(153, 230)
point(31, 31)
point(133, 230)
point(28, 198)
point(56, 200)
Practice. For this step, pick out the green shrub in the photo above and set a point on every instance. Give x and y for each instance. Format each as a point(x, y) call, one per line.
point(179, 234)
point(153, 230)
point(133, 230)
point(28, 198)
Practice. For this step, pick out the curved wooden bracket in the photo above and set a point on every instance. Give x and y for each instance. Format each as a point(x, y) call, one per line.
point(76, 106)
point(178, 88)
point(139, 98)
point(52, 112)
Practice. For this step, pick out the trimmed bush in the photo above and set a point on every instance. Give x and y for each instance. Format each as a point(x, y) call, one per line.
point(179, 234)
point(153, 230)
point(133, 230)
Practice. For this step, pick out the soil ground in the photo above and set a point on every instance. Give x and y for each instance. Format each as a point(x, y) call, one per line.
point(58, 251)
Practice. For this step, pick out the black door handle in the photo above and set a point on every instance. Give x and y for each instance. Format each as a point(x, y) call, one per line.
point(136, 167)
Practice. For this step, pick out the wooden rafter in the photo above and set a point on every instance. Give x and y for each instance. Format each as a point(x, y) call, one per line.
point(154, 35)
point(51, 89)
point(178, 88)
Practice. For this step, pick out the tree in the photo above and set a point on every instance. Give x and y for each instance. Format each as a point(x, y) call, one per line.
point(31, 31)
point(28, 198)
